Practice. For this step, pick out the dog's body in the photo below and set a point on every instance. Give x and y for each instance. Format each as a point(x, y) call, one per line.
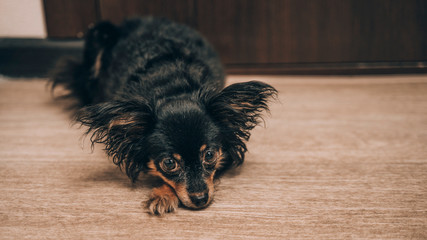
point(153, 92)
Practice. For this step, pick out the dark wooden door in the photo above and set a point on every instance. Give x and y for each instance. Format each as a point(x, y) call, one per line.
point(278, 36)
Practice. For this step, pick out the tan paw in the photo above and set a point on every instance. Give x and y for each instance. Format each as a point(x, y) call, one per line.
point(162, 200)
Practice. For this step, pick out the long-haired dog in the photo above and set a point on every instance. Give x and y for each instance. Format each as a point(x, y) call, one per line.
point(153, 92)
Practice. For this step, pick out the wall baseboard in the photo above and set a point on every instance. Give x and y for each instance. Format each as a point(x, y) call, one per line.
point(330, 68)
point(37, 57)
point(21, 57)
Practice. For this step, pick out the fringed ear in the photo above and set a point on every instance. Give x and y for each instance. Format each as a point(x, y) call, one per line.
point(238, 109)
point(122, 126)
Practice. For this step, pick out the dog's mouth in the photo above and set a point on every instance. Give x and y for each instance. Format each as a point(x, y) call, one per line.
point(198, 200)
point(196, 204)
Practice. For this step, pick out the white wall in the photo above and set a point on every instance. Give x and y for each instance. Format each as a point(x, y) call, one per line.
point(22, 19)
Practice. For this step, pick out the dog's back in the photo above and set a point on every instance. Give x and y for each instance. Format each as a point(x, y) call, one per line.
point(151, 56)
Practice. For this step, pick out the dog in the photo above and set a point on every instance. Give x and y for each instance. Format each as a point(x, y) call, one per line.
point(153, 92)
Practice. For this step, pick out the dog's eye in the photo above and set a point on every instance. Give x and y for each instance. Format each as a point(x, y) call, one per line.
point(210, 157)
point(169, 165)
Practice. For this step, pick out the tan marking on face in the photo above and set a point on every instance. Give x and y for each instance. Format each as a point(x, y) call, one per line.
point(202, 148)
point(211, 186)
point(181, 192)
point(180, 189)
point(177, 156)
point(154, 172)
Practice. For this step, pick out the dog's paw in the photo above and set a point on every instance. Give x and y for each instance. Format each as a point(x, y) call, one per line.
point(162, 200)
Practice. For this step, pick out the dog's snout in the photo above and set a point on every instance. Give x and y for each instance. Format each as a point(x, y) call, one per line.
point(199, 199)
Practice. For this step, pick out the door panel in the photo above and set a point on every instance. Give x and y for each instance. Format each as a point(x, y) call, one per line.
point(310, 31)
point(69, 19)
point(180, 11)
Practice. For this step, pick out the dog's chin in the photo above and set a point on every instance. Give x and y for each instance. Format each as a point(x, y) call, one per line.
point(186, 203)
point(190, 205)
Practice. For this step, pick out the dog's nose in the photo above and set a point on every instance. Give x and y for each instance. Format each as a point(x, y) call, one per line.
point(199, 199)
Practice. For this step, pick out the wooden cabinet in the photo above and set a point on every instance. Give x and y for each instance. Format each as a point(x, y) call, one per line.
point(277, 36)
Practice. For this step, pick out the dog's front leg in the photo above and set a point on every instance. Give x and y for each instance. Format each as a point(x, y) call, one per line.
point(162, 200)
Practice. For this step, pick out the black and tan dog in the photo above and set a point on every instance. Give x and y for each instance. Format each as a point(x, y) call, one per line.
point(153, 92)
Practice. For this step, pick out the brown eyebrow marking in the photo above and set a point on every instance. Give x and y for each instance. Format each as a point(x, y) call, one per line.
point(177, 156)
point(203, 147)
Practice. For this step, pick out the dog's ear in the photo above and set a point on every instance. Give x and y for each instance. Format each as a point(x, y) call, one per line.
point(122, 126)
point(238, 109)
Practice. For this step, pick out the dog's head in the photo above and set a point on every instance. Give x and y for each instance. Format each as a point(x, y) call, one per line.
point(186, 141)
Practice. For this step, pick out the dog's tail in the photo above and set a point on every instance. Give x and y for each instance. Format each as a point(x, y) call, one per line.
point(81, 77)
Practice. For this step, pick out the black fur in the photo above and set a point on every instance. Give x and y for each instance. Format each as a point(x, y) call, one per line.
point(150, 88)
